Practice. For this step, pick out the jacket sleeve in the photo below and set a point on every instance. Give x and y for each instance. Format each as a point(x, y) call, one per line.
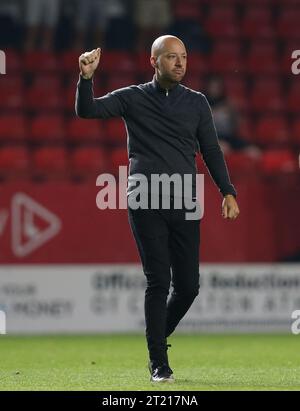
point(113, 104)
point(211, 151)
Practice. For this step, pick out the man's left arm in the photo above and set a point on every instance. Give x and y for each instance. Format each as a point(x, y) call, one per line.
point(214, 160)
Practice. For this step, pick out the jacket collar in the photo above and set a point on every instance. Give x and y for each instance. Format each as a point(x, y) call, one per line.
point(172, 91)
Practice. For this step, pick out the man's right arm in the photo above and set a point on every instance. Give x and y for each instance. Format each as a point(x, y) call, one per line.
point(86, 106)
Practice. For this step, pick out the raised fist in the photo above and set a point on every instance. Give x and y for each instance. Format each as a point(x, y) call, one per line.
point(88, 62)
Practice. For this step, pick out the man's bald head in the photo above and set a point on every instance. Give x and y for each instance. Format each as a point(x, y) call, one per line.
point(169, 59)
point(164, 44)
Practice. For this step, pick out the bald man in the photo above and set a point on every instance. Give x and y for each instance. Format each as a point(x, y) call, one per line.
point(167, 123)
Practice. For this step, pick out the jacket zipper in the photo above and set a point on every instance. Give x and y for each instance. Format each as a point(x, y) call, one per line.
point(167, 92)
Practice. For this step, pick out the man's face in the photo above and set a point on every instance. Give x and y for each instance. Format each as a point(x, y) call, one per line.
point(171, 62)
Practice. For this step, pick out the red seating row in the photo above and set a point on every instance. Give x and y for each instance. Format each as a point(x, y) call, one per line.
point(263, 96)
point(262, 57)
point(54, 162)
point(67, 62)
point(271, 162)
point(228, 10)
point(59, 162)
point(225, 20)
point(54, 128)
point(16, 83)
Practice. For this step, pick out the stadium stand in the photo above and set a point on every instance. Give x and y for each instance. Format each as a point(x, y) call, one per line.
point(251, 44)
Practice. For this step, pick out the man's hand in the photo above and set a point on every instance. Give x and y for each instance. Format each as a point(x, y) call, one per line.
point(230, 208)
point(88, 62)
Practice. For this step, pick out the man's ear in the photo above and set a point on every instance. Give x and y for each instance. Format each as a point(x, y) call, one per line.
point(153, 61)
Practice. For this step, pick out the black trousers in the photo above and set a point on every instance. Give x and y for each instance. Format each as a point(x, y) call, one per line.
point(168, 245)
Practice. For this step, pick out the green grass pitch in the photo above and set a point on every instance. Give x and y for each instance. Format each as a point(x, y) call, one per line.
point(119, 362)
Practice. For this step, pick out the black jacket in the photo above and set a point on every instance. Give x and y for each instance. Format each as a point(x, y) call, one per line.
point(165, 129)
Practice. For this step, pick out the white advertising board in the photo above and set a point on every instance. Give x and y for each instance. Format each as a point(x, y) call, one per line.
point(110, 298)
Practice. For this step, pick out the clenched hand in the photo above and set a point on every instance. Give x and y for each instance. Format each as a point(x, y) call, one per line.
point(88, 62)
point(230, 208)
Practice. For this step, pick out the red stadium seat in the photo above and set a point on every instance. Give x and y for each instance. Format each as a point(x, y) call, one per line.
point(288, 30)
point(278, 162)
point(12, 88)
point(295, 131)
point(272, 131)
point(288, 23)
point(222, 22)
point(47, 128)
point(84, 131)
point(116, 132)
point(14, 99)
point(287, 60)
point(294, 85)
point(235, 87)
point(225, 12)
point(88, 161)
point(194, 82)
point(263, 59)
point(144, 67)
point(261, 2)
point(114, 82)
point(263, 48)
point(119, 62)
point(293, 98)
point(240, 100)
point(69, 61)
point(11, 80)
point(235, 83)
point(198, 63)
point(14, 162)
point(231, 47)
point(43, 98)
point(254, 28)
point(222, 28)
point(40, 61)
point(257, 12)
point(221, 2)
point(47, 81)
point(72, 79)
point(241, 163)
point(69, 100)
point(189, 10)
point(13, 127)
point(262, 64)
point(119, 157)
point(289, 13)
point(201, 168)
point(224, 62)
point(245, 128)
point(14, 62)
point(267, 101)
point(50, 162)
point(267, 84)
